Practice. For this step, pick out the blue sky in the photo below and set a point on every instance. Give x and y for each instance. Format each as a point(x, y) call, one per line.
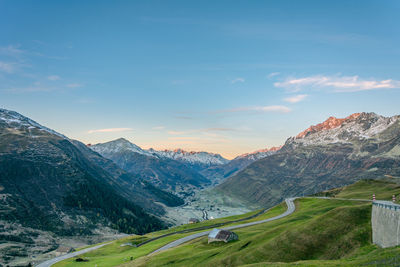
point(223, 76)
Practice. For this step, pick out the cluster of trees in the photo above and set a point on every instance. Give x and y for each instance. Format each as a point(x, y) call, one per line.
point(124, 215)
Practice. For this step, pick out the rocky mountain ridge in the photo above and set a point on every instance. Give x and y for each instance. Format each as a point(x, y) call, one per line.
point(336, 153)
point(201, 168)
point(360, 126)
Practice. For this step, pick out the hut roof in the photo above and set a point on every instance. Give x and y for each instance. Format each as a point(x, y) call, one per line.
point(213, 233)
point(219, 234)
point(223, 234)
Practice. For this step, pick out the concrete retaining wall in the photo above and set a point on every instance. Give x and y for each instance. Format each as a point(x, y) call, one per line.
point(385, 221)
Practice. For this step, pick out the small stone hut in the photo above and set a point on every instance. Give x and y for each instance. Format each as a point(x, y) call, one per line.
point(221, 235)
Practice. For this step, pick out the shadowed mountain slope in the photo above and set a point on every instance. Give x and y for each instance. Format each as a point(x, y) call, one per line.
point(165, 173)
point(47, 180)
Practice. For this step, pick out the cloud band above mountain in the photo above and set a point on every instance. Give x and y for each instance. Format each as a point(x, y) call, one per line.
point(337, 83)
point(274, 108)
point(110, 130)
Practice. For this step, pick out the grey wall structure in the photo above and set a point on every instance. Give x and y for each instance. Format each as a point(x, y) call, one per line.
point(385, 221)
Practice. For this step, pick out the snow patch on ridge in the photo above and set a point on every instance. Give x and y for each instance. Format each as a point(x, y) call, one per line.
point(119, 145)
point(191, 157)
point(357, 126)
point(122, 144)
point(16, 121)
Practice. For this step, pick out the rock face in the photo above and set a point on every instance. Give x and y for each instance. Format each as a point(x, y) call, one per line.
point(358, 126)
point(331, 154)
point(56, 187)
point(330, 123)
point(162, 172)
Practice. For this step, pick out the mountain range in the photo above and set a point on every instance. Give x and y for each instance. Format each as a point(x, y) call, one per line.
point(160, 170)
point(176, 170)
point(330, 154)
point(53, 187)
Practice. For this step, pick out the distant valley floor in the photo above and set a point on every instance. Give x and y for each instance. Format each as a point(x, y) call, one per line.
point(206, 204)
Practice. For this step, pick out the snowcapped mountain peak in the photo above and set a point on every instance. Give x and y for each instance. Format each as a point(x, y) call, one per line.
point(118, 145)
point(330, 123)
point(191, 157)
point(358, 126)
point(14, 120)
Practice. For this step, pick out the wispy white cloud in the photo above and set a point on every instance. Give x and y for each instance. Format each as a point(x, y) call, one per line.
point(218, 129)
point(74, 85)
point(36, 87)
point(11, 50)
point(183, 138)
point(157, 128)
point(273, 74)
point(337, 83)
point(7, 67)
point(177, 132)
point(274, 108)
point(110, 130)
point(53, 77)
point(203, 130)
point(295, 98)
point(238, 80)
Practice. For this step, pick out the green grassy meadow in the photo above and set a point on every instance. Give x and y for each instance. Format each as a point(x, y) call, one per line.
point(363, 189)
point(321, 232)
point(319, 229)
point(113, 254)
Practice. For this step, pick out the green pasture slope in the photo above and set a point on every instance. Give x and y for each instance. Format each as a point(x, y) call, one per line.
point(320, 232)
point(114, 254)
point(383, 190)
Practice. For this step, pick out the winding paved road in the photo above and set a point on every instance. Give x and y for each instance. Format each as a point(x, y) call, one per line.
point(48, 263)
point(291, 208)
point(289, 202)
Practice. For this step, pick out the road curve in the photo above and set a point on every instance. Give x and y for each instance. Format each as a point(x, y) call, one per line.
point(48, 263)
point(290, 209)
point(289, 202)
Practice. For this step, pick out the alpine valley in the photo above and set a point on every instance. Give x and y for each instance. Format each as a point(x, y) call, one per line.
point(57, 192)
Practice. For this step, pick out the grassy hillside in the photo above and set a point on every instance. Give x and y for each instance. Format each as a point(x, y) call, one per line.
point(320, 232)
point(320, 229)
point(114, 254)
point(363, 189)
